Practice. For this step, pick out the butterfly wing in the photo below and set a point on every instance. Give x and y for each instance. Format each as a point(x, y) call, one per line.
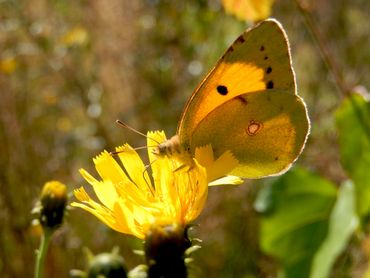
point(265, 141)
point(248, 105)
point(259, 60)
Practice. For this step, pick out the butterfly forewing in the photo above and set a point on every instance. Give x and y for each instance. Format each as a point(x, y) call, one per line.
point(259, 60)
point(248, 105)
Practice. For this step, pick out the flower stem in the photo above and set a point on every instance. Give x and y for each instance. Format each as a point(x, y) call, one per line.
point(41, 253)
point(332, 66)
point(329, 61)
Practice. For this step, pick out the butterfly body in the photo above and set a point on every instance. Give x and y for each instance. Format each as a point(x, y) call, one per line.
point(248, 105)
point(173, 147)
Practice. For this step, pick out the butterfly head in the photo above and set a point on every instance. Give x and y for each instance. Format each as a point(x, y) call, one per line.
point(169, 147)
point(173, 148)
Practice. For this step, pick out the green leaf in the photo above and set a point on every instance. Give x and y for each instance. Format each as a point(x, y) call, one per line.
point(353, 125)
point(343, 221)
point(295, 221)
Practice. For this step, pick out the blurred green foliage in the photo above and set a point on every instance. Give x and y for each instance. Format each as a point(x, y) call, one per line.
point(69, 69)
point(353, 124)
point(295, 220)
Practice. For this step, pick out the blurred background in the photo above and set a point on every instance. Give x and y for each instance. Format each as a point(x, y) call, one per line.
point(69, 69)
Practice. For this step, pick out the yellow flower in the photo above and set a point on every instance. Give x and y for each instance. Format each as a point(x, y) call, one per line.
point(75, 36)
point(132, 201)
point(8, 65)
point(252, 10)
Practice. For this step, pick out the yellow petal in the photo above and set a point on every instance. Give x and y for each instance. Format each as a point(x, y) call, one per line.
point(154, 139)
point(82, 196)
point(107, 219)
point(166, 189)
point(89, 178)
point(222, 166)
point(99, 211)
point(124, 217)
point(187, 199)
point(204, 155)
point(105, 191)
point(227, 180)
point(134, 167)
point(108, 168)
point(132, 193)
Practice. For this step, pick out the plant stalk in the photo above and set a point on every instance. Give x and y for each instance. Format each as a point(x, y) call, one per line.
point(41, 253)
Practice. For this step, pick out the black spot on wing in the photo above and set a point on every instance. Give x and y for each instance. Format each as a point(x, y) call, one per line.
point(240, 39)
point(269, 70)
point(266, 57)
point(270, 85)
point(262, 48)
point(222, 90)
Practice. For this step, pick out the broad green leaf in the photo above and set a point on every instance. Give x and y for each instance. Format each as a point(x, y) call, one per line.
point(343, 221)
point(295, 223)
point(353, 123)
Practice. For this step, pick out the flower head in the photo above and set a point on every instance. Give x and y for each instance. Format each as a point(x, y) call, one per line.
point(250, 10)
point(52, 204)
point(132, 199)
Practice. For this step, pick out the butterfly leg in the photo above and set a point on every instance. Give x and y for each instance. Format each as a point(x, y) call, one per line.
point(184, 166)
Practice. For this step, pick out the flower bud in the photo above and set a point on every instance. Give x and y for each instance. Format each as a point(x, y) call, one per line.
point(108, 265)
point(52, 204)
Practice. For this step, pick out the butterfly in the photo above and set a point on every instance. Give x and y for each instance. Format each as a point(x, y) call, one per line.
point(247, 104)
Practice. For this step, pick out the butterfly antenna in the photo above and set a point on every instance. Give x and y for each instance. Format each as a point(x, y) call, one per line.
point(121, 151)
point(134, 130)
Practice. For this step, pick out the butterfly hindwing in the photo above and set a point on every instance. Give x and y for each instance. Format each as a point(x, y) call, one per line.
point(265, 141)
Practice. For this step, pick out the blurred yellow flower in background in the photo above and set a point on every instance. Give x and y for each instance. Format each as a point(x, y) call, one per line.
point(250, 10)
point(75, 36)
point(8, 65)
point(132, 201)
